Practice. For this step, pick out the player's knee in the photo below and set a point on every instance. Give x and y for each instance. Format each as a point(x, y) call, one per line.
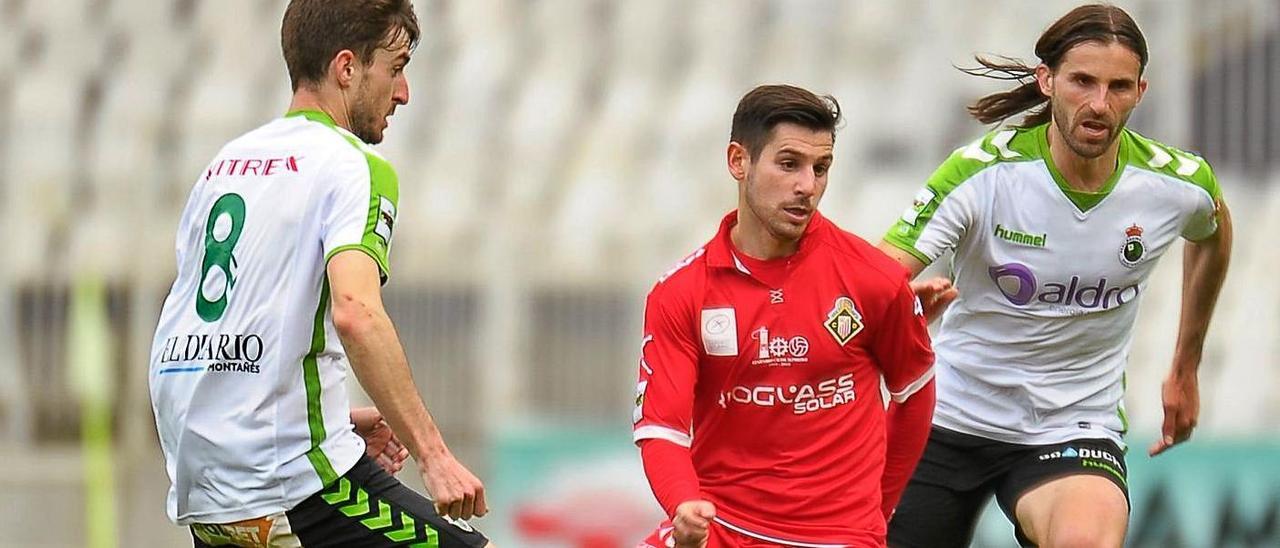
point(1105, 530)
point(1085, 538)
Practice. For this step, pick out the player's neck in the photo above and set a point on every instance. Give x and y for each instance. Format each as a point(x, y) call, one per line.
point(317, 99)
point(1080, 173)
point(752, 238)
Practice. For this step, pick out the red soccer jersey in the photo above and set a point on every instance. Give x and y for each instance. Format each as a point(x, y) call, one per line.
point(769, 371)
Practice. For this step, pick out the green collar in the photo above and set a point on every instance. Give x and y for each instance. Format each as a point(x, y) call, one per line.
point(313, 115)
point(1083, 200)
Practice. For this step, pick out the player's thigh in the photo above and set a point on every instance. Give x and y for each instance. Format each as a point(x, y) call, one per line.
point(1071, 511)
point(950, 486)
point(934, 516)
point(1069, 494)
point(368, 508)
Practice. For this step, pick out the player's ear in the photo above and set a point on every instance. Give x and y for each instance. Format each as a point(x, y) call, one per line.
point(343, 67)
point(1044, 78)
point(1142, 88)
point(738, 158)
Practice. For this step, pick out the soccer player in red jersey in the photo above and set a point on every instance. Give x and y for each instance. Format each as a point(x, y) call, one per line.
point(759, 412)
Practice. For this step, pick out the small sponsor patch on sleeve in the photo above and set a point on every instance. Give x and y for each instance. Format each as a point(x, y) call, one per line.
point(386, 219)
point(638, 413)
point(921, 201)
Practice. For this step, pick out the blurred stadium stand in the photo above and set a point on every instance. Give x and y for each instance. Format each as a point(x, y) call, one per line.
point(555, 157)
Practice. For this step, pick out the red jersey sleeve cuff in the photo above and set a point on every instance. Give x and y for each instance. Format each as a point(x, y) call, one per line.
point(655, 432)
point(900, 396)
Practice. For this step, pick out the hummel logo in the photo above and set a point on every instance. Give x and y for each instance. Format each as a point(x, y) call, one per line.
point(1020, 238)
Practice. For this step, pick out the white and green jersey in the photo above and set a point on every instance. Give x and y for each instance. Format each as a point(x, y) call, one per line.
point(1034, 349)
point(247, 371)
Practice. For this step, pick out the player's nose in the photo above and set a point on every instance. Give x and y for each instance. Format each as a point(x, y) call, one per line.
point(401, 93)
point(1098, 100)
point(806, 183)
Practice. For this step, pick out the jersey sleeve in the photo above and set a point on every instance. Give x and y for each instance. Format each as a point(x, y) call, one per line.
point(939, 216)
point(1204, 195)
point(360, 212)
point(668, 370)
point(1203, 221)
point(902, 347)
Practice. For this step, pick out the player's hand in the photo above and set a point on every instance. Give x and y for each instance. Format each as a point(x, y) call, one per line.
point(380, 443)
point(456, 491)
point(692, 522)
point(935, 296)
point(1181, 394)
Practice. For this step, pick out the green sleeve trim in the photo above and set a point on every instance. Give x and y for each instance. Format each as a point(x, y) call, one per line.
point(384, 199)
point(1157, 157)
point(1004, 145)
point(909, 248)
point(382, 267)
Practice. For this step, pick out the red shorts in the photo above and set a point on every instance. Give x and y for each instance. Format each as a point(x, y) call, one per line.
point(718, 536)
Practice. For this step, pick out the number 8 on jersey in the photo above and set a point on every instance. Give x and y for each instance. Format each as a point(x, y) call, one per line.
point(222, 231)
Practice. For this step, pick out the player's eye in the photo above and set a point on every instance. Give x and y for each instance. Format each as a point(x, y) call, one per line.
point(788, 164)
point(820, 170)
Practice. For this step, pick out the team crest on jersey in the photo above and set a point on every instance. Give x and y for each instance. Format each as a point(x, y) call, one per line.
point(1134, 248)
point(844, 321)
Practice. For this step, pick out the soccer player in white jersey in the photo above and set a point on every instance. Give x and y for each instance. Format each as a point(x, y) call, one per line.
point(1055, 225)
point(281, 253)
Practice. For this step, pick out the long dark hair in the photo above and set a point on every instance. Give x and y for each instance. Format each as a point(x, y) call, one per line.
point(1089, 23)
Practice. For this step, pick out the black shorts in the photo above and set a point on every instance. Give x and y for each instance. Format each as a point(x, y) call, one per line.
point(958, 473)
point(364, 508)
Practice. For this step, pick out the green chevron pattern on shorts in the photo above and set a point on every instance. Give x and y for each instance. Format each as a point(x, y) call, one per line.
point(433, 540)
point(405, 532)
point(380, 521)
point(379, 516)
point(360, 506)
point(341, 495)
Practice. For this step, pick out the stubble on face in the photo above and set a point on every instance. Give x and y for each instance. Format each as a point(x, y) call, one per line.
point(1067, 123)
point(1087, 131)
point(769, 191)
point(375, 103)
point(364, 115)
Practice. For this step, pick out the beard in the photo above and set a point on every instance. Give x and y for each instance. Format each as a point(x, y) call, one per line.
point(1085, 149)
point(773, 218)
point(364, 124)
point(365, 118)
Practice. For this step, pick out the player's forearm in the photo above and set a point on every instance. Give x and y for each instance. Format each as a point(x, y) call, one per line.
point(907, 260)
point(379, 363)
point(907, 431)
point(669, 469)
point(1204, 267)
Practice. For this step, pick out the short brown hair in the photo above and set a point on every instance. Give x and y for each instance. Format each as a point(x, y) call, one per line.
point(314, 31)
point(764, 107)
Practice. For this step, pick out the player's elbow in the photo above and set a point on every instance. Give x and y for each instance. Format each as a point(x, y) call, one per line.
point(353, 317)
